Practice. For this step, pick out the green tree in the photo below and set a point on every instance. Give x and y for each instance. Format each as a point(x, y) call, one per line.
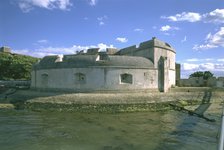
point(14, 66)
point(205, 74)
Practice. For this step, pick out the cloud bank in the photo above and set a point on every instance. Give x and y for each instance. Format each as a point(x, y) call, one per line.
point(215, 16)
point(212, 40)
point(28, 5)
point(191, 65)
point(41, 52)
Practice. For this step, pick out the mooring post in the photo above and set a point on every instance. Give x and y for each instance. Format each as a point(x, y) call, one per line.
point(221, 136)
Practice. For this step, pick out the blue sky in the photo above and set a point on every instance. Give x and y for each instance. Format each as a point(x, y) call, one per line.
point(195, 28)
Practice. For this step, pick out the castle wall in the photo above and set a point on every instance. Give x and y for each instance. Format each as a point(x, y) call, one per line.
point(170, 73)
point(145, 49)
point(95, 79)
point(172, 79)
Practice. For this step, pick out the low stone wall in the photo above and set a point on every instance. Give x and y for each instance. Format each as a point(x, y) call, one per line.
point(15, 83)
point(200, 82)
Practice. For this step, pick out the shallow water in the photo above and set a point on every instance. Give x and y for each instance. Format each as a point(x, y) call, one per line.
point(25, 130)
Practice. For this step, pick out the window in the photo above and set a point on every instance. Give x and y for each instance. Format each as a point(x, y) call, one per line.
point(126, 78)
point(44, 79)
point(80, 78)
point(146, 75)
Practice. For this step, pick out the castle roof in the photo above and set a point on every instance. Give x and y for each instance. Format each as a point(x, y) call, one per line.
point(85, 61)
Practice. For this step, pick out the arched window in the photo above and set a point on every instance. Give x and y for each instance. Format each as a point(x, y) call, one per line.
point(80, 78)
point(126, 78)
point(44, 79)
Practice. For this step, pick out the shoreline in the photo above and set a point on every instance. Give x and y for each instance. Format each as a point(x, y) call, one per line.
point(109, 102)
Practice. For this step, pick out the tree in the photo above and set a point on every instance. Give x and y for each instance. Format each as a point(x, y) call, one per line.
point(205, 74)
point(14, 66)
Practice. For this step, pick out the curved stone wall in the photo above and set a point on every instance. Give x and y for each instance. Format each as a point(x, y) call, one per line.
point(94, 79)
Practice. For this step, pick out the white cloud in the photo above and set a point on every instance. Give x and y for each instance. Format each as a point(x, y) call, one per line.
point(203, 67)
point(216, 16)
point(102, 19)
point(28, 5)
point(122, 39)
point(101, 23)
point(184, 40)
point(41, 52)
point(220, 59)
point(218, 38)
point(165, 28)
point(212, 41)
point(188, 68)
point(207, 66)
point(193, 59)
point(92, 2)
point(42, 41)
point(208, 59)
point(184, 16)
point(138, 30)
point(197, 60)
point(204, 47)
point(103, 46)
point(168, 28)
point(208, 36)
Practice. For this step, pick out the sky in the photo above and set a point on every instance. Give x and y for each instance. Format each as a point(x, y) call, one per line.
point(194, 28)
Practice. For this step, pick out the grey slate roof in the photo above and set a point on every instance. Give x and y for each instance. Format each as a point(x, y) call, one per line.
point(85, 61)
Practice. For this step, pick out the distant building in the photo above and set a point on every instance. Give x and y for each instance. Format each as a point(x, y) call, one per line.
point(150, 66)
point(5, 49)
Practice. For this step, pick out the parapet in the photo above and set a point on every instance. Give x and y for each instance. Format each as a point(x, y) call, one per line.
point(161, 44)
point(111, 51)
point(92, 51)
point(127, 50)
point(154, 42)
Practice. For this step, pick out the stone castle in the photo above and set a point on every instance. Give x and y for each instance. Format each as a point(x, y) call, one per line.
point(150, 66)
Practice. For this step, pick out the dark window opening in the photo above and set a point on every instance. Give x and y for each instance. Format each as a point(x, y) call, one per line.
point(126, 78)
point(146, 75)
point(80, 78)
point(44, 79)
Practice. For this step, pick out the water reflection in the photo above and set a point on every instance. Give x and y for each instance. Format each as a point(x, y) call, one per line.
point(23, 130)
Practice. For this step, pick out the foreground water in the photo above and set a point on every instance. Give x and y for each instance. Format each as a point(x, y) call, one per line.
point(25, 130)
